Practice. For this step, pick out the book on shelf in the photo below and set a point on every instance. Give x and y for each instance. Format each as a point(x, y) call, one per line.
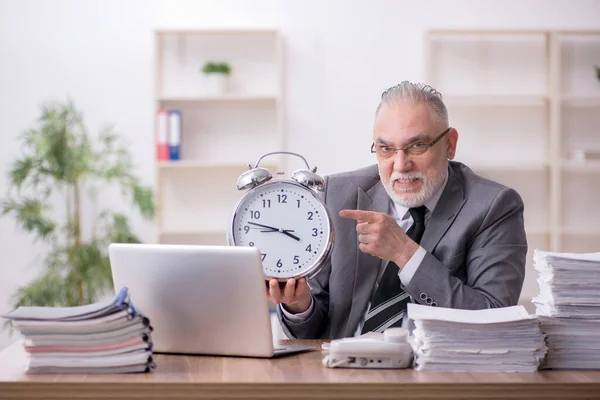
point(108, 336)
point(162, 133)
point(168, 134)
point(174, 134)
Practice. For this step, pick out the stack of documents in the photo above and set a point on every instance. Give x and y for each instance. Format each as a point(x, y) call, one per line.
point(568, 307)
point(104, 337)
point(493, 340)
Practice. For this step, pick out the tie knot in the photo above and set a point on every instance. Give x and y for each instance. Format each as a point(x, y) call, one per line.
point(418, 213)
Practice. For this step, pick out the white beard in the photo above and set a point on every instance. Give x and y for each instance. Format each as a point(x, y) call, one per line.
point(430, 185)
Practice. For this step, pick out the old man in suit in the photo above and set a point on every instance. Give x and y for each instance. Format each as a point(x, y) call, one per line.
point(414, 227)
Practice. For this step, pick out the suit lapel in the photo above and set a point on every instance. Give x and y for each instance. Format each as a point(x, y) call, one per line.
point(443, 215)
point(367, 266)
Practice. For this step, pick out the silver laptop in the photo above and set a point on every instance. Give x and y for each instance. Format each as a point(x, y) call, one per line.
point(199, 299)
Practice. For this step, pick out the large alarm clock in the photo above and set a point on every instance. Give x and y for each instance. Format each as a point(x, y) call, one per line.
point(285, 219)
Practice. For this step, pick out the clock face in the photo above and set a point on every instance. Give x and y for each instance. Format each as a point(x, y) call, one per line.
point(288, 224)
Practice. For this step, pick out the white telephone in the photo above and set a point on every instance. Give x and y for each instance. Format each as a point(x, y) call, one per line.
point(389, 349)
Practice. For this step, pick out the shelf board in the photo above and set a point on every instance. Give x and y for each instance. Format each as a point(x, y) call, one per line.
point(496, 100)
point(190, 232)
point(581, 101)
point(219, 31)
point(451, 33)
point(574, 231)
point(580, 166)
point(227, 98)
point(189, 164)
point(516, 167)
point(578, 32)
point(537, 231)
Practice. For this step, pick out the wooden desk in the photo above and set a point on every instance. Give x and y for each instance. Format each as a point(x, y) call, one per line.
point(297, 376)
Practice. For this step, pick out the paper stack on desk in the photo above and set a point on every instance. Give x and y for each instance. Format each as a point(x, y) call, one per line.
point(493, 340)
point(104, 337)
point(568, 307)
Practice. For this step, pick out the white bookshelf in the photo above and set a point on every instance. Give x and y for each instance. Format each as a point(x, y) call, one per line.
point(500, 100)
point(523, 102)
point(221, 133)
point(578, 127)
point(226, 98)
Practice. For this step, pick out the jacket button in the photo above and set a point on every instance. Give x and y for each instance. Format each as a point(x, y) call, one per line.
point(423, 296)
point(429, 300)
point(434, 304)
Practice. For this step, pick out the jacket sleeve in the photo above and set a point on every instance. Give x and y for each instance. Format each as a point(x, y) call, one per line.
point(494, 263)
point(315, 325)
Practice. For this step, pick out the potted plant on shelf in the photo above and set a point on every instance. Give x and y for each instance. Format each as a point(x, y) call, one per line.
point(62, 165)
point(217, 77)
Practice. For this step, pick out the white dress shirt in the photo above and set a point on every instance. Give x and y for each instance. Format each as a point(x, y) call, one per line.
point(407, 272)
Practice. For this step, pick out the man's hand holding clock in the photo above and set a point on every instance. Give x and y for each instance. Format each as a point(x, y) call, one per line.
point(295, 295)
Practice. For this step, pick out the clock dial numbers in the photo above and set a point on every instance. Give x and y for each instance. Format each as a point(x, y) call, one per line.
point(288, 225)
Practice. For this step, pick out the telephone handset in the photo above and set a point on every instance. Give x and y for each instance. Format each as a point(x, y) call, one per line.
point(389, 349)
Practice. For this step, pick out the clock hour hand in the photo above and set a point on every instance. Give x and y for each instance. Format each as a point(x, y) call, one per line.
point(287, 233)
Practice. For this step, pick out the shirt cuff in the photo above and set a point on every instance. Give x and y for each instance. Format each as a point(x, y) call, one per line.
point(303, 316)
point(411, 266)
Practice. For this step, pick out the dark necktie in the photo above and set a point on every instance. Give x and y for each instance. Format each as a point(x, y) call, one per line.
point(388, 303)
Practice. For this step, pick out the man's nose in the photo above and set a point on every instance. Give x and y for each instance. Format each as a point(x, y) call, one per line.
point(402, 163)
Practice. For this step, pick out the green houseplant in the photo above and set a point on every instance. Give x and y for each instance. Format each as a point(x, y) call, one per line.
point(60, 161)
point(216, 68)
point(217, 77)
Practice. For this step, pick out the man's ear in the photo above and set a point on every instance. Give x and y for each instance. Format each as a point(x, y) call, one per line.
point(452, 139)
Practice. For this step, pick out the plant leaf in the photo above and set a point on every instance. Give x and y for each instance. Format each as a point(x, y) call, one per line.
point(29, 215)
point(59, 160)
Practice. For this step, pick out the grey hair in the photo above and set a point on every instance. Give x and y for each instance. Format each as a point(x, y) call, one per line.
point(414, 93)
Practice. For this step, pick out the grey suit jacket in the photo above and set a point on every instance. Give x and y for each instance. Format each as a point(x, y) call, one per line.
point(475, 242)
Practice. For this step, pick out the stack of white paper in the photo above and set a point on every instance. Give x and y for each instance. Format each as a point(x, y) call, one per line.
point(493, 340)
point(568, 306)
point(104, 337)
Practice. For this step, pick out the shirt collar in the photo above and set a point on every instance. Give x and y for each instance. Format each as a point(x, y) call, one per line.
point(402, 212)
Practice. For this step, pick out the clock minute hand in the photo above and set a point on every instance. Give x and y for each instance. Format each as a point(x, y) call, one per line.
point(272, 229)
point(284, 231)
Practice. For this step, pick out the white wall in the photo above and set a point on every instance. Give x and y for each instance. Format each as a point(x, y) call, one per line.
point(340, 55)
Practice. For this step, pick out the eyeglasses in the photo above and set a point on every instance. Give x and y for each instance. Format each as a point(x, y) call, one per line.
point(414, 149)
